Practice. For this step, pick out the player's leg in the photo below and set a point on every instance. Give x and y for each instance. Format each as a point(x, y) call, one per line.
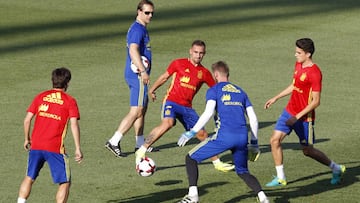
point(277, 154)
point(193, 175)
point(279, 133)
point(138, 103)
point(276, 150)
point(60, 173)
point(168, 114)
point(200, 152)
point(240, 157)
point(35, 163)
point(135, 114)
point(139, 132)
point(155, 134)
point(188, 117)
point(306, 133)
point(25, 189)
point(63, 192)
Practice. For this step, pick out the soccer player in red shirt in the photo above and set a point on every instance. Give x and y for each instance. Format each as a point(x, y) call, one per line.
point(299, 114)
point(188, 75)
point(52, 110)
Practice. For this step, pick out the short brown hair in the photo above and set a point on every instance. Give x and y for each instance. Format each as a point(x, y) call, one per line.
point(143, 2)
point(61, 77)
point(198, 43)
point(221, 67)
point(306, 44)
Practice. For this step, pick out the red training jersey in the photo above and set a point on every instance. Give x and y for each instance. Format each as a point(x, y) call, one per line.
point(52, 109)
point(306, 80)
point(187, 79)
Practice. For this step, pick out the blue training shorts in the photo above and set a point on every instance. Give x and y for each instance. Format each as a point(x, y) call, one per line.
point(186, 115)
point(58, 164)
point(218, 143)
point(303, 129)
point(138, 92)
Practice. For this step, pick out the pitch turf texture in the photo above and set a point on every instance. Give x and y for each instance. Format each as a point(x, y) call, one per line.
point(256, 38)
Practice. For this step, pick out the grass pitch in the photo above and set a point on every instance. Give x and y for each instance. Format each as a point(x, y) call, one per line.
point(255, 37)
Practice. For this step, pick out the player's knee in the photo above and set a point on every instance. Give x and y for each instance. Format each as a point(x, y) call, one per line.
point(275, 141)
point(136, 112)
point(202, 135)
point(167, 124)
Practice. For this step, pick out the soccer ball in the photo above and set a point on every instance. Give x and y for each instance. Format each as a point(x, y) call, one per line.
point(145, 62)
point(146, 167)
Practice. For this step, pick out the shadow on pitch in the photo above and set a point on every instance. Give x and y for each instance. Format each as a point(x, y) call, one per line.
point(290, 193)
point(285, 146)
point(166, 195)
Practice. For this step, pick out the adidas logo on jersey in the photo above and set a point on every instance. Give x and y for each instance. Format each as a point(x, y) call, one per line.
point(54, 98)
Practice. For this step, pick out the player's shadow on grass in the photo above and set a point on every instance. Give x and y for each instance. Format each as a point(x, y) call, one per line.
point(167, 195)
point(290, 193)
point(267, 148)
point(159, 168)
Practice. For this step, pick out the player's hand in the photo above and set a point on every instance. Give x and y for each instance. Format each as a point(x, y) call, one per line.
point(185, 137)
point(152, 96)
point(145, 77)
point(78, 156)
point(291, 121)
point(253, 151)
point(27, 145)
point(269, 103)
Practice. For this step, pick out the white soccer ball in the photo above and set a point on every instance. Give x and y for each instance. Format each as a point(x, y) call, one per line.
point(145, 62)
point(146, 167)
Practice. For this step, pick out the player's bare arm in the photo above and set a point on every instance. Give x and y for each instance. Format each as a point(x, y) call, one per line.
point(75, 129)
point(158, 83)
point(27, 124)
point(283, 93)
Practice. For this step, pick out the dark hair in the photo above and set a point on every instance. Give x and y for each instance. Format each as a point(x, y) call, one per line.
point(306, 44)
point(143, 2)
point(61, 77)
point(198, 43)
point(221, 67)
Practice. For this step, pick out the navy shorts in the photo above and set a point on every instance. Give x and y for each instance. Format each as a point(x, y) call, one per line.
point(303, 129)
point(58, 164)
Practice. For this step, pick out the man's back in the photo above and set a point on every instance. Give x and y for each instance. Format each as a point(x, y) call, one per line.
point(231, 104)
point(53, 108)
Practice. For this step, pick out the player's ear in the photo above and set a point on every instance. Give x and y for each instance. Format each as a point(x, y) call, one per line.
point(215, 73)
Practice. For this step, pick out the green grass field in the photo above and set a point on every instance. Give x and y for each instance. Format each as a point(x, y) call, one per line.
point(255, 37)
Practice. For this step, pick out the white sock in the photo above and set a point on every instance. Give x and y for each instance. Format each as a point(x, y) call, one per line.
point(261, 196)
point(335, 167)
point(280, 172)
point(193, 191)
point(21, 200)
point(216, 161)
point(139, 141)
point(116, 138)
